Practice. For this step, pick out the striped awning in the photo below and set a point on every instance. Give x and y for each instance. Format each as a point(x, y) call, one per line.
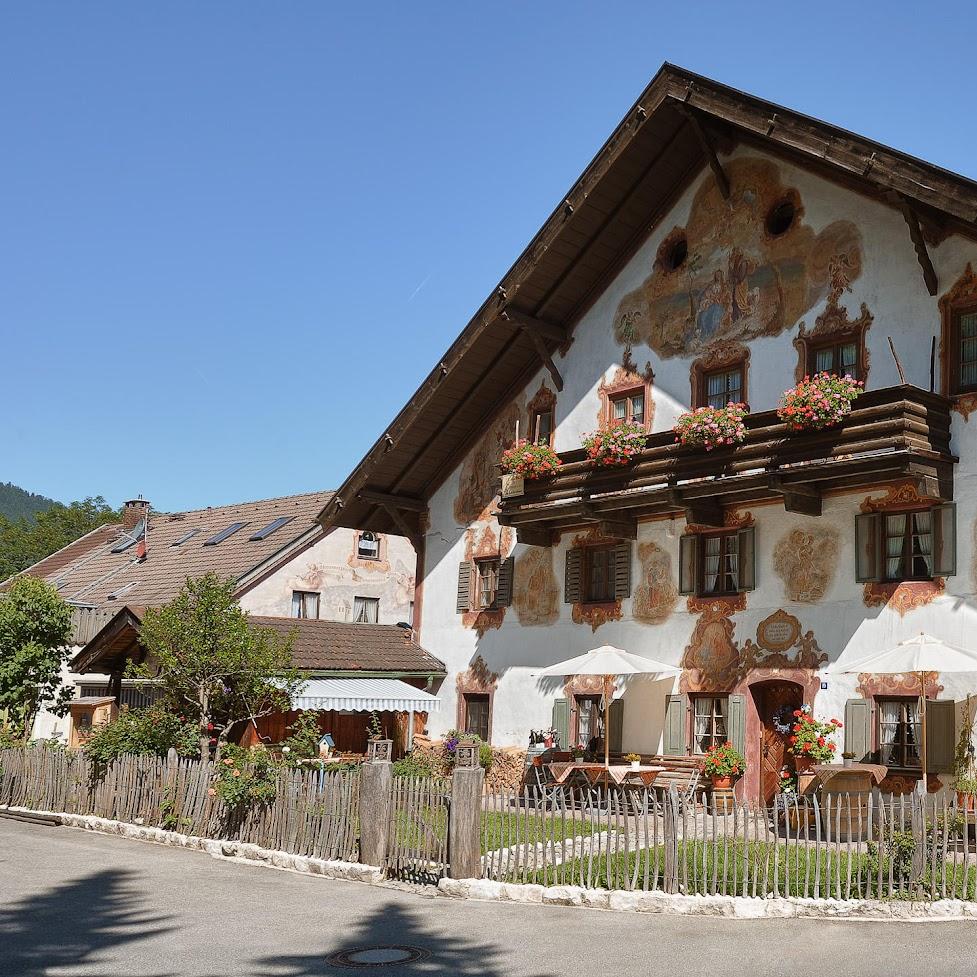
point(364, 695)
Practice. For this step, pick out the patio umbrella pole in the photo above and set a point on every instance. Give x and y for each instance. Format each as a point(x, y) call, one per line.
point(922, 716)
point(608, 680)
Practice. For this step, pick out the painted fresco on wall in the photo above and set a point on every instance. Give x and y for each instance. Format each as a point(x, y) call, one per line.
point(806, 561)
point(656, 595)
point(715, 662)
point(479, 479)
point(726, 276)
point(536, 591)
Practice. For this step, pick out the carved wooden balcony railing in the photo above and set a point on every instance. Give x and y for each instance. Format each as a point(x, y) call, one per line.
point(898, 432)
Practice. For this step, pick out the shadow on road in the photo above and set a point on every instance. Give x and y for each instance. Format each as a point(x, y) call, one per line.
point(394, 925)
point(75, 923)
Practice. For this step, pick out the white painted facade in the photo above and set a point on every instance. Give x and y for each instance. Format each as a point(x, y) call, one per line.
point(891, 285)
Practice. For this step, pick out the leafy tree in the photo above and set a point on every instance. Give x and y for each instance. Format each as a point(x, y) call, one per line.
point(151, 731)
point(35, 627)
point(212, 663)
point(25, 541)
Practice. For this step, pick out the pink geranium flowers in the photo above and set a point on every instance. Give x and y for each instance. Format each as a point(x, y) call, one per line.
point(819, 402)
point(530, 459)
point(618, 444)
point(712, 427)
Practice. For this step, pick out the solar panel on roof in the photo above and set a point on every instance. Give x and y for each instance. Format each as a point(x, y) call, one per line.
point(224, 533)
point(185, 537)
point(130, 539)
point(271, 527)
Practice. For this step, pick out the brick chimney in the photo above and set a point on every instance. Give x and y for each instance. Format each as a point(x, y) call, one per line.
point(132, 512)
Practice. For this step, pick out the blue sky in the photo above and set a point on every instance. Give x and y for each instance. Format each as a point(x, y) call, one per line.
point(234, 237)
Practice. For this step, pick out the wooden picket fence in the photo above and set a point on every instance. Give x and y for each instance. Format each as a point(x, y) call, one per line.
point(418, 833)
point(314, 813)
point(844, 846)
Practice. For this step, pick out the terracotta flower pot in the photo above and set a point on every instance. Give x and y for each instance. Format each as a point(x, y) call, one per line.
point(722, 783)
point(803, 763)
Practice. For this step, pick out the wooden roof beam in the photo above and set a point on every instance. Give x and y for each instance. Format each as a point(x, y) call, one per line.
point(798, 497)
point(919, 241)
point(534, 326)
point(708, 147)
point(534, 537)
point(404, 502)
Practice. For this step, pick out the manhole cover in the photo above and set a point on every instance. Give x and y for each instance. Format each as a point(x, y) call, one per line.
point(377, 956)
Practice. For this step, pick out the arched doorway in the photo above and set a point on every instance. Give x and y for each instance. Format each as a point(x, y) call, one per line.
point(772, 699)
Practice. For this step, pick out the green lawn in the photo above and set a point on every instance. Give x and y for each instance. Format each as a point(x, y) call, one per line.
point(707, 867)
point(502, 829)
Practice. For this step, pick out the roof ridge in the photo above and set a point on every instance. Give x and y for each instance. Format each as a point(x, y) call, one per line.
point(232, 505)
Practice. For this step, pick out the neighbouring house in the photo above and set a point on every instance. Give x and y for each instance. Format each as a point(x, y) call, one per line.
point(717, 249)
point(347, 594)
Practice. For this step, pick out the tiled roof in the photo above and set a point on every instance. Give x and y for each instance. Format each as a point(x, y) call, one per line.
point(87, 572)
point(341, 646)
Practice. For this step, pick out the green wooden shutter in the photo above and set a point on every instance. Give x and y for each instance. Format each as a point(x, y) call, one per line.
point(940, 740)
point(615, 725)
point(622, 570)
point(858, 727)
point(736, 722)
point(465, 575)
point(747, 558)
point(687, 547)
point(675, 712)
point(561, 722)
point(503, 596)
point(867, 562)
point(945, 540)
point(572, 590)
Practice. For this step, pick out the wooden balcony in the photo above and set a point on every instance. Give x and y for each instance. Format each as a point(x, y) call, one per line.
point(898, 432)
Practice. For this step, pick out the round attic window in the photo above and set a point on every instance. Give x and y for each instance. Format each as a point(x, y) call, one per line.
point(780, 219)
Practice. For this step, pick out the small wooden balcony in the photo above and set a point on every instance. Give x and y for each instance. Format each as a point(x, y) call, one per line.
point(900, 432)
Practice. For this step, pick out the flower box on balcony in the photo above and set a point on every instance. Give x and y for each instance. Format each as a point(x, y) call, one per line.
point(712, 427)
point(530, 460)
point(819, 402)
point(616, 445)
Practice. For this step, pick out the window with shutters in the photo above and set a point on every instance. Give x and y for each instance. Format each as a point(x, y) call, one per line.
point(486, 583)
point(717, 564)
point(916, 544)
point(588, 720)
point(477, 715)
point(599, 565)
point(709, 722)
point(305, 604)
point(898, 731)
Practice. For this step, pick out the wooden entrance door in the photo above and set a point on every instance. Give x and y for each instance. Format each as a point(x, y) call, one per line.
point(771, 699)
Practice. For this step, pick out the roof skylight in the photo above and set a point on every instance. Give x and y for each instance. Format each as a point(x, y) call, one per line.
point(271, 527)
point(185, 537)
point(224, 533)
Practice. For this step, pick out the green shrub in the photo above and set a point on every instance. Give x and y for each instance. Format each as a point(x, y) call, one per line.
point(152, 730)
point(303, 741)
point(243, 777)
point(412, 765)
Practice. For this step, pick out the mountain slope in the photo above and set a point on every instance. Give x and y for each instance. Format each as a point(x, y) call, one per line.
point(17, 503)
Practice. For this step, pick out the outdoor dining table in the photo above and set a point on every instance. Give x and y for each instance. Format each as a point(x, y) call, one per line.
point(598, 775)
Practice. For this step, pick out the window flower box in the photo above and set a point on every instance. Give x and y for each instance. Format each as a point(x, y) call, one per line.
point(712, 427)
point(530, 459)
point(819, 402)
point(616, 445)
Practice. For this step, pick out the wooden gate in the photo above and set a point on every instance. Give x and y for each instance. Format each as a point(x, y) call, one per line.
point(418, 835)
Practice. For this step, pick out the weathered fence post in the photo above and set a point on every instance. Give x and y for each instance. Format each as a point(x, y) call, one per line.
point(465, 818)
point(670, 839)
point(376, 781)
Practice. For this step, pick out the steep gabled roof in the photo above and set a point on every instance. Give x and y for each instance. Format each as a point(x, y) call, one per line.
point(664, 141)
point(95, 572)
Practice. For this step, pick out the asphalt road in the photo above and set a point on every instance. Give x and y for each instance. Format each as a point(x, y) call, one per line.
point(75, 903)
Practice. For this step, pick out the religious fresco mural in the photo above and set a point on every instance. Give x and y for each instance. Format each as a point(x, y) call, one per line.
point(714, 662)
point(479, 480)
point(536, 591)
point(739, 269)
point(656, 595)
point(806, 561)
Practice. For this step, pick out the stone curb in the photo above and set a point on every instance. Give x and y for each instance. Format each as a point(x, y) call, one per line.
point(348, 871)
point(729, 907)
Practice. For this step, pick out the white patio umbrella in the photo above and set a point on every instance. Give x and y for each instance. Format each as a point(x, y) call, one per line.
point(918, 655)
point(610, 662)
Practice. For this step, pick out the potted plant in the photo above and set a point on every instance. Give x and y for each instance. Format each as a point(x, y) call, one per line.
point(616, 445)
point(712, 427)
point(818, 402)
point(530, 459)
point(723, 764)
point(848, 758)
point(634, 759)
point(810, 739)
point(965, 764)
point(375, 727)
